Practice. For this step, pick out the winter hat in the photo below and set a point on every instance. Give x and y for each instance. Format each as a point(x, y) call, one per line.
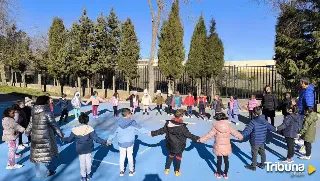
point(27, 101)
point(170, 92)
point(158, 91)
point(145, 91)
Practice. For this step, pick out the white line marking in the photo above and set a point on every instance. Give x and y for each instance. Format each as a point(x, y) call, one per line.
point(183, 122)
point(106, 162)
point(145, 150)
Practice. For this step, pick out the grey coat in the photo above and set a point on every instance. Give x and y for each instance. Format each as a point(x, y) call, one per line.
point(10, 129)
point(43, 128)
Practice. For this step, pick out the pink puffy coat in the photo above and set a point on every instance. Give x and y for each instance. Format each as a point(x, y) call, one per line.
point(252, 103)
point(221, 130)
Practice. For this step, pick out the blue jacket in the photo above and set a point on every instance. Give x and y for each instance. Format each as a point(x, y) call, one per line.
point(63, 103)
point(236, 108)
point(306, 98)
point(84, 136)
point(290, 126)
point(126, 132)
point(177, 101)
point(258, 129)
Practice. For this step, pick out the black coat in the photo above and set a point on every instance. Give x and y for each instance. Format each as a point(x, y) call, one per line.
point(284, 104)
point(269, 102)
point(169, 100)
point(176, 135)
point(24, 117)
point(290, 126)
point(43, 128)
point(130, 98)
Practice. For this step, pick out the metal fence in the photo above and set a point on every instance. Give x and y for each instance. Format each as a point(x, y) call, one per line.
point(240, 81)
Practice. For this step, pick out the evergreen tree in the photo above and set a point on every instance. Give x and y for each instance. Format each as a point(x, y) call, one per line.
point(215, 53)
point(197, 54)
point(58, 64)
point(113, 42)
point(171, 53)
point(83, 49)
point(102, 43)
point(129, 52)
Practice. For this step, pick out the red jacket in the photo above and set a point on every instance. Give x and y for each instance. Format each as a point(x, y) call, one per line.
point(189, 101)
point(203, 99)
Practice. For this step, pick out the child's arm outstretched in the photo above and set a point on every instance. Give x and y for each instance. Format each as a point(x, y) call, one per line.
point(69, 139)
point(140, 128)
point(93, 135)
point(191, 136)
point(160, 131)
point(88, 101)
point(248, 130)
point(112, 136)
point(271, 128)
point(236, 134)
point(284, 125)
point(209, 135)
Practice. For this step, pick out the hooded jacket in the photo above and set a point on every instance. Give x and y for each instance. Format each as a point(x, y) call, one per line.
point(308, 131)
point(176, 100)
point(43, 128)
point(285, 102)
point(76, 101)
point(95, 100)
point(63, 103)
point(252, 103)
point(158, 99)
point(10, 129)
point(306, 98)
point(269, 102)
point(131, 97)
point(189, 101)
point(126, 132)
point(221, 130)
point(290, 126)
point(115, 101)
point(176, 135)
point(258, 129)
point(146, 100)
point(84, 136)
point(236, 108)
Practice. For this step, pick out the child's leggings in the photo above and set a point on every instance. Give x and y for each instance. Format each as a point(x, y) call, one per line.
point(159, 107)
point(85, 164)
point(146, 108)
point(170, 160)
point(11, 153)
point(189, 109)
point(133, 109)
point(95, 110)
point(226, 164)
point(251, 114)
point(234, 116)
point(115, 111)
point(77, 112)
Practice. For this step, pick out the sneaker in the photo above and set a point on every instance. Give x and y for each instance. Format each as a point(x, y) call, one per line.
point(147, 113)
point(260, 165)
point(237, 124)
point(89, 177)
point(156, 113)
point(51, 173)
point(21, 147)
point(166, 171)
point(131, 173)
point(285, 160)
point(217, 175)
point(177, 173)
point(76, 119)
point(121, 173)
point(250, 167)
point(225, 176)
point(302, 150)
point(143, 113)
point(210, 120)
point(299, 142)
point(305, 157)
point(83, 179)
point(290, 160)
point(16, 166)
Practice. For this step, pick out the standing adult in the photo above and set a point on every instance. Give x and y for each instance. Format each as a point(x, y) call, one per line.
point(269, 105)
point(306, 99)
point(44, 149)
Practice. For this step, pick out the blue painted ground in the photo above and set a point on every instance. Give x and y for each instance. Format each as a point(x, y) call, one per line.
point(198, 162)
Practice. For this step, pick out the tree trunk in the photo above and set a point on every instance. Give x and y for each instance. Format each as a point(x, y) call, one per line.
point(3, 74)
point(79, 84)
point(128, 86)
point(54, 82)
point(11, 78)
point(24, 79)
point(39, 82)
point(15, 78)
point(114, 83)
point(169, 85)
point(88, 86)
point(151, 61)
point(45, 82)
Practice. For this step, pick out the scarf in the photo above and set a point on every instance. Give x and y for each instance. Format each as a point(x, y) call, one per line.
point(178, 120)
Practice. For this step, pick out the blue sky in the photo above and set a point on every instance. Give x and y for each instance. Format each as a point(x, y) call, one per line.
point(246, 28)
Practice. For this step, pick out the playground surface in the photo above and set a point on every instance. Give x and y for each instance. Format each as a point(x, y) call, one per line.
point(198, 163)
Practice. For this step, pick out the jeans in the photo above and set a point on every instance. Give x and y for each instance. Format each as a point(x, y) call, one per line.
point(308, 148)
point(290, 146)
point(64, 115)
point(42, 169)
point(95, 110)
point(189, 109)
point(255, 149)
point(129, 152)
point(234, 116)
point(202, 109)
point(11, 153)
point(170, 160)
point(226, 163)
point(85, 164)
point(301, 121)
point(77, 112)
point(115, 111)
